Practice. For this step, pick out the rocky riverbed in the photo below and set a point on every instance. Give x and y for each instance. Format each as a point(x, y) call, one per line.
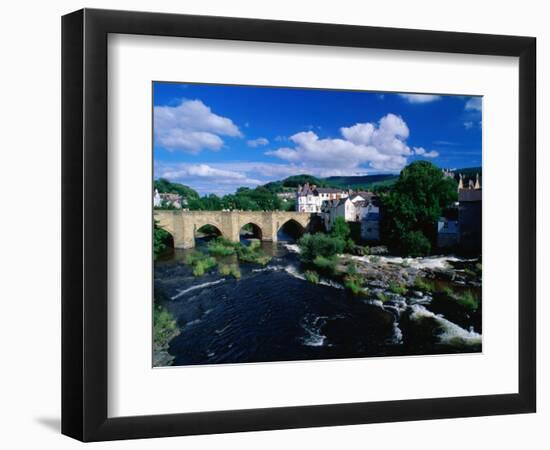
point(406, 306)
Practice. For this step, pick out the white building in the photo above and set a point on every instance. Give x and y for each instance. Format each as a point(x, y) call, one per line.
point(361, 208)
point(168, 199)
point(156, 199)
point(310, 198)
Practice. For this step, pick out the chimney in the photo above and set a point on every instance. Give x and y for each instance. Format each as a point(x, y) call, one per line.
point(460, 181)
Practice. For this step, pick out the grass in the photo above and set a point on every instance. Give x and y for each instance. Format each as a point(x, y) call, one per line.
point(200, 262)
point(204, 265)
point(354, 285)
point(382, 297)
point(230, 270)
point(222, 247)
point(252, 254)
point(192, 258)
point(423, 285)
point(448, 291)
point(468, 300)
point(164, 327)
point(325, 264)
point(397, 288)
point(312, 276)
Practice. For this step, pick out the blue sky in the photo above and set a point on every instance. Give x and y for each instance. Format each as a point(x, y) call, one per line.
point(216, 138)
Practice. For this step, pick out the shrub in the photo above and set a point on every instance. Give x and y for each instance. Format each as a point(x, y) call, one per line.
point(340, 229)
point(325, 264)
point(219, 249)
point(351, 268)
point(311, 276)
point(252, 254)
point(319, 244)
point(354, 285)
point(164, 327)
point(397, 288)
point(230, 270)
point(201, 264)
point(468, 300)
point(414, 243)
point(448, 291)
point(423, 285)
point(192, 258)
point(160, 240)
point(382, 297)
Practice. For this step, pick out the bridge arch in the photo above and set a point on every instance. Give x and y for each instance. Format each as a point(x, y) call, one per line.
point(207, 229)
point(291, 228)
point(252, 230)
point(184, 224)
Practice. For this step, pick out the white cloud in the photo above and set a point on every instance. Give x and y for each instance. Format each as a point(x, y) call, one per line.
point(468, 124)
point(194, 171)
point(192, 127)
point(421, 151)
point(260, 142)
point(420, 98)
point(382, 146)
point(473, 104)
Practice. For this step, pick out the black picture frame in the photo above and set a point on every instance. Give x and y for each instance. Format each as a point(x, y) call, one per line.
point(84, 224)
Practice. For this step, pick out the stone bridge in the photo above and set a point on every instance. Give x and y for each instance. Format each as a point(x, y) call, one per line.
point(183, 225)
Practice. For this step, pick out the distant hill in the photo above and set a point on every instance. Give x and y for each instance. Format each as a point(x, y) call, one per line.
point(351, 182)
point(363, 181)
point(468, 171)
point(163, 185)
point(292, 182)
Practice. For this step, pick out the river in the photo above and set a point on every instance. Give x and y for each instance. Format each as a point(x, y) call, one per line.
point(273, 314)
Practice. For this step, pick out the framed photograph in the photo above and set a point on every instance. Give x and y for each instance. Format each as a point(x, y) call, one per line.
point(273, 224)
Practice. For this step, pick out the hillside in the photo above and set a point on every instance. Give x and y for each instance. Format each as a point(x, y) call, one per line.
point(163, 185)
point(363, 181)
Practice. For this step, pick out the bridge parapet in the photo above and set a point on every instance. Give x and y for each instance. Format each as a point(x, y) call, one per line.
point(182, 225)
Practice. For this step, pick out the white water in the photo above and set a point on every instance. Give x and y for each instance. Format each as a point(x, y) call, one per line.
point(452, 334)
point(294, 272)
point(430, 262)
point(291, 247)
point(312, 326)
point(198, 286)
point(397, 337)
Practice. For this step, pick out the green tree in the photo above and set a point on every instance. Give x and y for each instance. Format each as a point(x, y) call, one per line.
point(163, 185)
point(160, 240)
point(340, 228)
point(414, 204)
point(319, 244)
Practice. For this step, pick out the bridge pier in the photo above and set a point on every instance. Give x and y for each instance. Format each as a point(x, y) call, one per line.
point(182, 225)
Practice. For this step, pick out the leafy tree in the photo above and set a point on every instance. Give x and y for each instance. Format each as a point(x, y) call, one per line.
point(416, 243)
point(413, 205)
point(209, 202)
point(163, 185)
point(319, 244)
point(340, 228)
point(160, 240)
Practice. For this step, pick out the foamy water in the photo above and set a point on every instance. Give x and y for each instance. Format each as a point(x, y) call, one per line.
point(198, 286)
point(452, 334)
point(430, 262)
